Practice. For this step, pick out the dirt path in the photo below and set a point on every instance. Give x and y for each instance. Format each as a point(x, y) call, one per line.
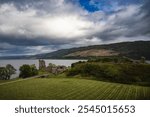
point(20, 80)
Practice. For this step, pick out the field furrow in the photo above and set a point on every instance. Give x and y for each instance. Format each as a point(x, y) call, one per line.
point(72, 89)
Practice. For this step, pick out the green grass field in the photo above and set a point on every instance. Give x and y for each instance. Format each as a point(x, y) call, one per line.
point(71, 88)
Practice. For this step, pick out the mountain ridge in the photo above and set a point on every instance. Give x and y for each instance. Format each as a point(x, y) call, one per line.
point(134, 50)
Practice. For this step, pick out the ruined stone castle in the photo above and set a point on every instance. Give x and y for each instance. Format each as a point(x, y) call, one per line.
point(51, 68)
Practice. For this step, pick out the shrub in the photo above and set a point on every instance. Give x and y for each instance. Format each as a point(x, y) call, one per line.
point(77, 63)
point(34, 70)
point(124, 72)
point(73, 72)
point(112, 60)
point(28, 71)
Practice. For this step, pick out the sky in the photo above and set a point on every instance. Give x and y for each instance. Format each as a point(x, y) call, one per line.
point(29, 27)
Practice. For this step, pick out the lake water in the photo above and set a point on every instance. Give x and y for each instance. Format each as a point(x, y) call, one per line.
point(18, 63)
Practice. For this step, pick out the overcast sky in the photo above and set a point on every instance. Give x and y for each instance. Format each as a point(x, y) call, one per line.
point(41, 26)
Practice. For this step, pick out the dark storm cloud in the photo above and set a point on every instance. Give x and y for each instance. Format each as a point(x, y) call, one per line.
point(38, 41)
point(8, 49)
point(21, 41)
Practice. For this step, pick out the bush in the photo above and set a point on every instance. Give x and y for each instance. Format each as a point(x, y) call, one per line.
point(28, 71)
point(73, 72)
point(125, 72)
point(112, 60)
point(77, 63)
point(135, 72)
point(34, 70)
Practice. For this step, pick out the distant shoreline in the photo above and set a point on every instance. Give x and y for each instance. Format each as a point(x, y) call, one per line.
point(19, 62)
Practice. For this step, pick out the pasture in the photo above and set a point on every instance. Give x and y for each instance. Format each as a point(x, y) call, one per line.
point(71, 89)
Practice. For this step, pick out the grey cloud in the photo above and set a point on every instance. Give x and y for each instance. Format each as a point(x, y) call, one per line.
point(32, 27)
point(38, 41)
point(7, 49)
point(128, 22)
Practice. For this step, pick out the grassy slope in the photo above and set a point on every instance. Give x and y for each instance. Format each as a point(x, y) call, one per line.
point(71, 88)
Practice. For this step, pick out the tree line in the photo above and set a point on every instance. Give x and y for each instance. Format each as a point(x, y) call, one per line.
point(25, 71)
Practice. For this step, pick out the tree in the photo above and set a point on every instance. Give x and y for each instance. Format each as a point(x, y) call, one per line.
point(28, 71)
point(25, 71)
point(6, 72)
point(3, 73)
point(34, 70)
point(11, 70)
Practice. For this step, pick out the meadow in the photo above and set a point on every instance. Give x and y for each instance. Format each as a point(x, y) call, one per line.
point(71, 89)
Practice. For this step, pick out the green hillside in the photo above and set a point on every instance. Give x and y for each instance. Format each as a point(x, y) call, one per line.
point(72, 89)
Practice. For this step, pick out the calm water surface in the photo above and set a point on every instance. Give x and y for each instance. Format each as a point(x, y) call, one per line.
point(18, 63)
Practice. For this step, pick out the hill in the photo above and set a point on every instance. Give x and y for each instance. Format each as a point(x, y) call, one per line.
point(133, 50)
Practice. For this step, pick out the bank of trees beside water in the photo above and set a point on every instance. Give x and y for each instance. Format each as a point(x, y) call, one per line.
point(123, 72)
point(25, 71)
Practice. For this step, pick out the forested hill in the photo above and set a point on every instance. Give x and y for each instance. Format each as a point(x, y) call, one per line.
point(134, 50)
